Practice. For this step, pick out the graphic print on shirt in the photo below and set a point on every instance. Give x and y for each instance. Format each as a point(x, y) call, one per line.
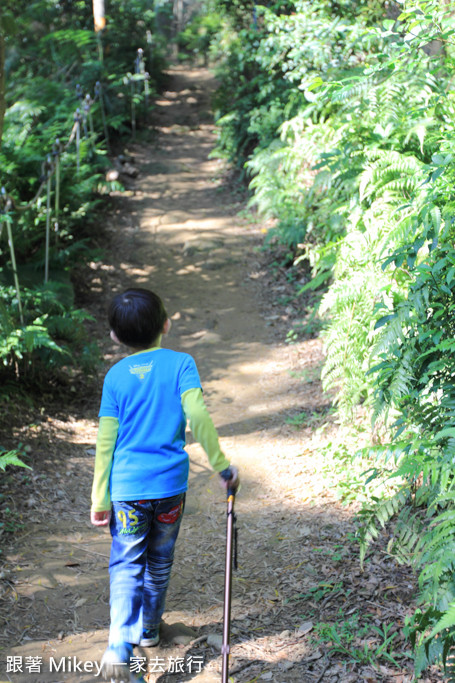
point(141, 370)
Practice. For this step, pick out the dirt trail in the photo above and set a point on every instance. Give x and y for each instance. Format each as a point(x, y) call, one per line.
point(179, 234)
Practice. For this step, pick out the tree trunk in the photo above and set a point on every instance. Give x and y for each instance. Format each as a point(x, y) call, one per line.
point(178, 16)
point(99, 16)
point(2, 84)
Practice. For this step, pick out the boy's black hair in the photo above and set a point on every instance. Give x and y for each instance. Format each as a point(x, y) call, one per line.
point(137, 317)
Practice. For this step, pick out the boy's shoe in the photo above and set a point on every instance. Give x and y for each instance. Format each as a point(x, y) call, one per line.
point(150, 637)
point(115, 664)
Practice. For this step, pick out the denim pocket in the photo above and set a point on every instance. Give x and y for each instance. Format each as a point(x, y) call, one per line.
point(170, 510)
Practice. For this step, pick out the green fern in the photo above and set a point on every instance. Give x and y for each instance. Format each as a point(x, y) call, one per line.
point(375, 518)
point(359, 177)
point(11, 459)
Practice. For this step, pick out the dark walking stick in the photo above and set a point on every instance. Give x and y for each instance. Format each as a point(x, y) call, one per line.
point(231, 543)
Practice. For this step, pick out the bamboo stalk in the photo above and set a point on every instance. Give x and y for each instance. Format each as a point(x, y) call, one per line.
point(77, 118)
point(9, 230)
point(57, 188)
point(133, 107)
point(48, 220)
point(99, 93)
point(15, 275)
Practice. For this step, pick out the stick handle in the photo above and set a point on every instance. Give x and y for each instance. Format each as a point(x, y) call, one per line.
point(226, 475)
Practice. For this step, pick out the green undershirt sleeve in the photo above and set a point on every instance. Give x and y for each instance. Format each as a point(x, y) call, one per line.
point(105, 445)
point(202, 428)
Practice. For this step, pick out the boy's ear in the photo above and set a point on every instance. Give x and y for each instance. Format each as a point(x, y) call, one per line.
point(167, 326)
point(114, 337)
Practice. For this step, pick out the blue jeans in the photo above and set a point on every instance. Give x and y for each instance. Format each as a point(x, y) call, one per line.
point(143, 540)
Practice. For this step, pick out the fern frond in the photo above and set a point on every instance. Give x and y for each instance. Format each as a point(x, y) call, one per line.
point(381, 513)
point(11, 459)
point(447, 621)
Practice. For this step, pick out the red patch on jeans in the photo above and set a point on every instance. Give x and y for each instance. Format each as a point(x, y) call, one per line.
point(171, 516)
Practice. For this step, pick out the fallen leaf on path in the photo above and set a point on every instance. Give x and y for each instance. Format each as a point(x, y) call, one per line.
point(305, 628)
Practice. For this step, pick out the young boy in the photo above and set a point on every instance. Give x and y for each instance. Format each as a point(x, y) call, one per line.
point(141, 469)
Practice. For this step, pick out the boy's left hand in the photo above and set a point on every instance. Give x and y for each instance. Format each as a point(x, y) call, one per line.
point(233, 482)
point(100, 518)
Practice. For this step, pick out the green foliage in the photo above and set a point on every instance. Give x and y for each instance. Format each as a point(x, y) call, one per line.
point(342, 167)
point(11, 458)
point(195, 40)
point(344, 120)
point(239, 12)
point(414, 382)
point(52, 62)
point(53, 333)
point(360, 642)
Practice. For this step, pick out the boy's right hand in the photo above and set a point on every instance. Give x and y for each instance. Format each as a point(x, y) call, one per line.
point(233, 482)
point(101, 518)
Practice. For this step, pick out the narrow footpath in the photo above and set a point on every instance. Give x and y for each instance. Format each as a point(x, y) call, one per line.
point(178, 231)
